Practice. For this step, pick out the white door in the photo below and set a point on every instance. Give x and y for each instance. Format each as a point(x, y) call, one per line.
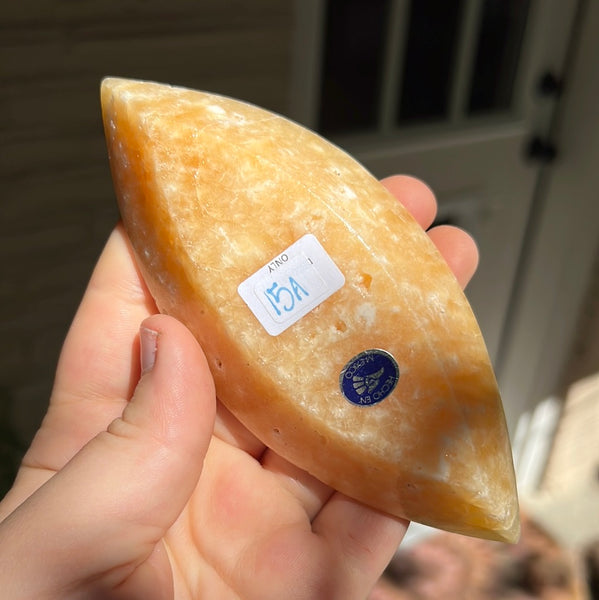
point(460, 93)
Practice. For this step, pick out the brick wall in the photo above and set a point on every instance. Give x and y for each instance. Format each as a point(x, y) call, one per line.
point(56, 203)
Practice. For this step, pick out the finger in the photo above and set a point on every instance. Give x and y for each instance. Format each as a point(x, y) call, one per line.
point(415, 195)
point(98, 366)
point(116, 294)
point(362, 540)
point(310, 492)
point(105, 513)
point(458, 249)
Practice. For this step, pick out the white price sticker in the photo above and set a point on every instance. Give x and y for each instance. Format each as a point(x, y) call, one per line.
point(291, 285)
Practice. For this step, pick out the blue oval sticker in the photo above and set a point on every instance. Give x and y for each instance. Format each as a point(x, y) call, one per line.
point(369, 377)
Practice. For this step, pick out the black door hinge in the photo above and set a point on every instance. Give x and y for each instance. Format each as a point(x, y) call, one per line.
point(541, 150)
point(549, 85)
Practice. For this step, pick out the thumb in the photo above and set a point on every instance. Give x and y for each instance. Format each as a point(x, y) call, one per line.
point(100, 520)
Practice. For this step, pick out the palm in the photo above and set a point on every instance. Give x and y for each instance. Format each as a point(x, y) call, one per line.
point(248, 533)
point(254, 526)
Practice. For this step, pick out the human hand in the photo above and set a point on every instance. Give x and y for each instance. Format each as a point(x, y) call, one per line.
point(140, 485)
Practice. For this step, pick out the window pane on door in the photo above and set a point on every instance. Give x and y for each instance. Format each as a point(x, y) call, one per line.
point(355, 37)
point(430, 53)
point(498, 53)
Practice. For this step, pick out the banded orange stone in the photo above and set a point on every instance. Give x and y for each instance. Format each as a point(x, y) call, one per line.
point(290, 263)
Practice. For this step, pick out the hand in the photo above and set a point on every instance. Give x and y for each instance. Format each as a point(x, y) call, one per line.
point(140, 485)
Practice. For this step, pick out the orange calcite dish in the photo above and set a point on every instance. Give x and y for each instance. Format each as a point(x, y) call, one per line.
point(334, 330)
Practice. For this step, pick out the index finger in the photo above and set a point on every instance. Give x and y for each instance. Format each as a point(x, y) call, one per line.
point(99, 365)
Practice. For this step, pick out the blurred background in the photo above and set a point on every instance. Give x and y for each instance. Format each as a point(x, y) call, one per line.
point(492, 102)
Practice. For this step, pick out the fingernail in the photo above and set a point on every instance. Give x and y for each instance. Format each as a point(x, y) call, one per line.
point(147, 348)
